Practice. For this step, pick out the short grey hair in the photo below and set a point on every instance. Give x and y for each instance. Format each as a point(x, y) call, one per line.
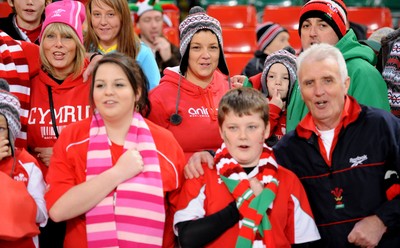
point(320, 52)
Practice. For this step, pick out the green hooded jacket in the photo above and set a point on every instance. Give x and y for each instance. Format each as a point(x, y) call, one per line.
point(366, 83)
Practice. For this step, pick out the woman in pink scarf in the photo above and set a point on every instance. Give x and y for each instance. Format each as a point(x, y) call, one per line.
point(105, 174)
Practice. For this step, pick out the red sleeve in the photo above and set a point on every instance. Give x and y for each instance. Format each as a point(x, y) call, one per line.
point(274, 116)
point(31, 51)
point(158, 113)
point(67, 168)
point(256, 81)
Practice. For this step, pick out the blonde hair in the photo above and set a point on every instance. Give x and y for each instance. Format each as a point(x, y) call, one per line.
point(65, 30)
point(128, 42)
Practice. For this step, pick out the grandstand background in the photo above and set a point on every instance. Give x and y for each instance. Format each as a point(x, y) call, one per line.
point(239, 19)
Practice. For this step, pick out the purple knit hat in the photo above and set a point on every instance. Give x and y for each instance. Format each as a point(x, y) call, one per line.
point(68, 12)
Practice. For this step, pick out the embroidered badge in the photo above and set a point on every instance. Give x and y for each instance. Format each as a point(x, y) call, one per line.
point(337, 193)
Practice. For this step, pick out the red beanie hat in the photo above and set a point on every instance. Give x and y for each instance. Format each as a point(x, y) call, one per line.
point(332, 12)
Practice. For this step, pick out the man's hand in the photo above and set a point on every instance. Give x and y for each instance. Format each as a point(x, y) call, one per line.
point(194, 167)
point(367, 232)
point(163, 46)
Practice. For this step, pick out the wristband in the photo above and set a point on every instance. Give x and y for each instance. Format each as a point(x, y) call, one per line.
point(94, 55)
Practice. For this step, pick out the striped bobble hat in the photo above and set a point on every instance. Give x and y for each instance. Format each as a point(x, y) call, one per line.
point(142, 6)
point(333, 12)
point(286, 57)
point(195, 21)
point(10, 108)
point(266, 33)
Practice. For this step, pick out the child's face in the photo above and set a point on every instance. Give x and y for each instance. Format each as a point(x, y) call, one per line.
point(244, 137)
point(28, 11)
point(3, 128)
point(278, 79)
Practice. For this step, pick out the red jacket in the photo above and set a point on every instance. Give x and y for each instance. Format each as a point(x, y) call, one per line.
point(198, 107)
point(68, 166)
point(71, 104)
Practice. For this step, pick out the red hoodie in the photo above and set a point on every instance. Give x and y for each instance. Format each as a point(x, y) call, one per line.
point(71, 104)
point(198, 107)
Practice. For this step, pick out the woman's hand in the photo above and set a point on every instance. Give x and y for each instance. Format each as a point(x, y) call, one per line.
point(86, 74)
point(237, 81)
point(129, 164)
point(44, 154)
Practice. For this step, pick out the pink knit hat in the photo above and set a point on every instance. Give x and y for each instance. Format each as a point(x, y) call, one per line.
point(68, 12)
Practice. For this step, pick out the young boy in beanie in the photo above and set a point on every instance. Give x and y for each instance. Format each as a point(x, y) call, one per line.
point(325, 21)
point(149, 18)
point(276, 83)
point(248, 200)
point(22, 168)
point(271, 37)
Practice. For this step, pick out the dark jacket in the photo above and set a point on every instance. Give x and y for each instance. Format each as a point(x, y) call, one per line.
point(7, 25)
point(351, 184)
point(255, 65)
point(173, 61)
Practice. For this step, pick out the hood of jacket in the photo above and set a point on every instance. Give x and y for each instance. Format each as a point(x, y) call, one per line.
point(351, 48)
point(218, 83)
point(68, 83)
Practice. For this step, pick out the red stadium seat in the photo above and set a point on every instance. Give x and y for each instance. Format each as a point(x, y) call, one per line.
point(287, 17)
point(295, 40)
point(239, 40)
point(239, 16)
point(172, 34)
point(173, 12)
point(237, 61)
point(372, 17)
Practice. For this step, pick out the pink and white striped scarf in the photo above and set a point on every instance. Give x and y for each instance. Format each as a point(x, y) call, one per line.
point(133, 215)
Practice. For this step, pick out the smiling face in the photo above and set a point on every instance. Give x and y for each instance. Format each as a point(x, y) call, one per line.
point(60, 50)
point(315, 31)
point(278, 78)
point(106, 23)
point(323, 91)
point(244, 137)
point(113, 94)
point(203, 58)
point(29, 12)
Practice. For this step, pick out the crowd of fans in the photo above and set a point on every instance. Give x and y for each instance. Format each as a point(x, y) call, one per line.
point(112, 136)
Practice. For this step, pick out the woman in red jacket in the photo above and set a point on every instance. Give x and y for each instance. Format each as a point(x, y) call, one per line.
point(114, 177)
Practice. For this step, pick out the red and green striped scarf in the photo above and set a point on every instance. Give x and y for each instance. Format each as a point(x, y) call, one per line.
point(253, 209)
point(134, 214)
